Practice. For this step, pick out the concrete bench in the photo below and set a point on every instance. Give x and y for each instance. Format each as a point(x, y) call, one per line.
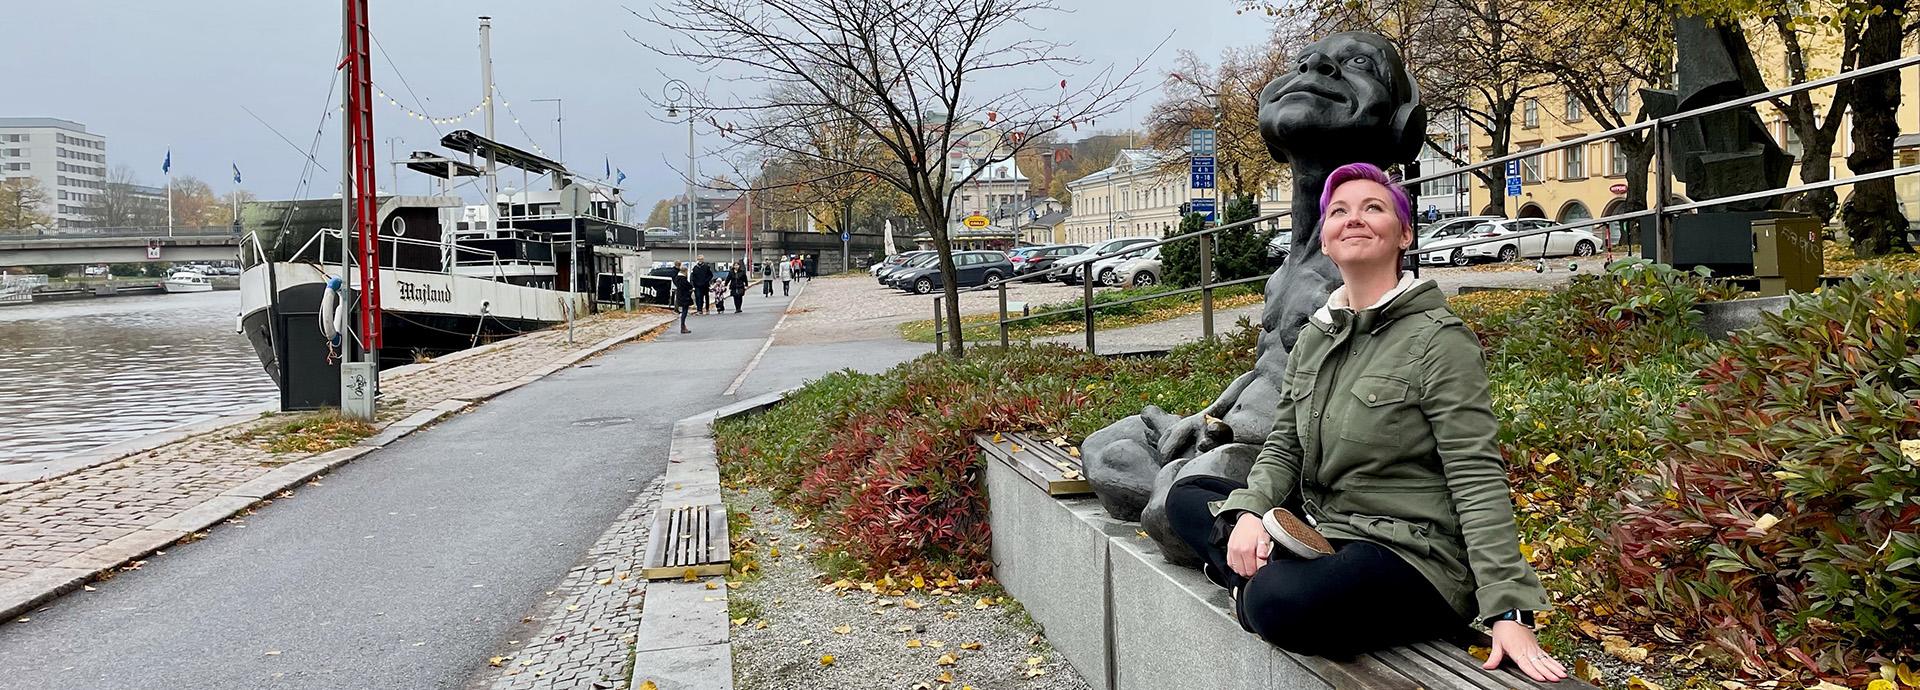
point(1127, 619)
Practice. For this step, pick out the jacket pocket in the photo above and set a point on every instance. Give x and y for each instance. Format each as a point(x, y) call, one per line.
point(1420, 485)
point(1394, 531)
point(1377, 417)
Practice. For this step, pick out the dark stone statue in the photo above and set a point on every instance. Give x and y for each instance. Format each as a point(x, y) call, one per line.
point(1348, 98)
point(1725, 153)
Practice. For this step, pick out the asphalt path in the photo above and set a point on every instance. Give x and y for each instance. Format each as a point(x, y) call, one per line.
point(407, 567)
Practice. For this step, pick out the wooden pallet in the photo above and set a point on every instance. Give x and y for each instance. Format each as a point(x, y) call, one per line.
point(1050, 464)
point(687, 542)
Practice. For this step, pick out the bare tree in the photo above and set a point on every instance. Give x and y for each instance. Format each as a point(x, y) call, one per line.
point(908, 75)
point(116, 204)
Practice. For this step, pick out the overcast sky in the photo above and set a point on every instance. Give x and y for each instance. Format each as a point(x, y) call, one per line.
point(153, 76)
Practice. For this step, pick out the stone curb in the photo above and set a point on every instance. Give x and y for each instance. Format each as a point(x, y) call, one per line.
point(29, 472)
point(685, 640)
point(20, 595)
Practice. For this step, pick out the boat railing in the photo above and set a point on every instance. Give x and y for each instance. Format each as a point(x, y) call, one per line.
point(492, 258)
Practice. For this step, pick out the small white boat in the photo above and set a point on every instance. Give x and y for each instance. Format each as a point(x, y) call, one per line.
point(188, 281)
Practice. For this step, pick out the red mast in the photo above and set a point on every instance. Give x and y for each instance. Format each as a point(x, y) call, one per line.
point(366, 205)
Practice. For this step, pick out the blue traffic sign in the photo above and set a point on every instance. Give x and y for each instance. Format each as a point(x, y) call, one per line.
point(1202, 171)
point(844, 236)
point(1202, 180)
point(1513, 168)
point(1201, 142)
point(1513, 186)
point(1204, 207)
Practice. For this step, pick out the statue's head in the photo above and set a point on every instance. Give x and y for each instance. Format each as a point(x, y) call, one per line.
point(1347, 98)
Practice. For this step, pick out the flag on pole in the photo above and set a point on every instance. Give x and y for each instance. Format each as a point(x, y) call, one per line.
point(609, 165)
point(619, 176)
point(166, 164)
point(236, 173)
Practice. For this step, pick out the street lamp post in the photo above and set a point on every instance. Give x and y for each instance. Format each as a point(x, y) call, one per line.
point(393, 165)
point(675, 91)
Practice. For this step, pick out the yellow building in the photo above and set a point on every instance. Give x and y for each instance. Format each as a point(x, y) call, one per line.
point(1590, 181)
point(1139, 195)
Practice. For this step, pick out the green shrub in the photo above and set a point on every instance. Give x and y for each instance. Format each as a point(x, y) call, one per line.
point(886, 466)
point(1603, 322)
point(1783, 523)
point(1237, 253)
point(1180, 261)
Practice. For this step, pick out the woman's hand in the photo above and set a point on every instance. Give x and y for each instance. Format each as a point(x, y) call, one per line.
point(1248, 546)
point(1514, 640)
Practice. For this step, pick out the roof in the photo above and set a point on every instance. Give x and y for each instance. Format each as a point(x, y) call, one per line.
point(54, 122)
point(1132, 160)
point(1906, 141)
point(1049, 220)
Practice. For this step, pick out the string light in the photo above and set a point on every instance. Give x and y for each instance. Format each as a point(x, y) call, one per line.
point(423, 117)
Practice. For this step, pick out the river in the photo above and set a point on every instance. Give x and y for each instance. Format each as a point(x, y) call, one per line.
point(86, 373)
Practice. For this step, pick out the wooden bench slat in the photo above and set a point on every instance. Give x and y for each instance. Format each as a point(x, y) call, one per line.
point(1509, 674)
point(1039, 462)
point(1460, 665)
point(687, 538)
point(1429, 674)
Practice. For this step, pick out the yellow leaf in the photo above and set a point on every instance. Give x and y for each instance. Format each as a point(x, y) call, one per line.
point(919, 582)
point(947, 659)
point(760, 625)
point(1765, 522)
point(1550, 459)
point(1015, 448)
point(842, 585)
point(648, 685)
point(1586, 672)
point(1880, 684)
point(1527, 551)
point(844, 629)
point(1910, 449)
point(773, 552)
point(944, 677)
point(970, 646)
point(936, 644)
point(710, 585)
point(983, 603)
point(1035, 660)
point(913, 643)
point(910, 604)
point(689, 576)
point(1480, 653)
point(826, 660)
point(1638, 683)
point(997, 438)
point(1075, 452)
point(497, 661)
point(737, 622)
point(1907, 676)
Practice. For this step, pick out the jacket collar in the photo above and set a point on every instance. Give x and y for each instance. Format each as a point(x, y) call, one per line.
point(1409, 296)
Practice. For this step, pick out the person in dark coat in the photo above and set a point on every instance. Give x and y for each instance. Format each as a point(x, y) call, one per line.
point(682, 296)
point(737, 283)
point(702, 283)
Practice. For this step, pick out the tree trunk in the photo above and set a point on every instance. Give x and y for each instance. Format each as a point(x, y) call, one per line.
point(937, 227)
point(1872, 216)
point(1816, 165)
point(1639, 152)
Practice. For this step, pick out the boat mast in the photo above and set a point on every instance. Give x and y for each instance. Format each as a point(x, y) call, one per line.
point(348, 346)
point(486, 102)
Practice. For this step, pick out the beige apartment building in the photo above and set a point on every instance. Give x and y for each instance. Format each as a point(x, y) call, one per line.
point(1590, 181)
point(1139, 195)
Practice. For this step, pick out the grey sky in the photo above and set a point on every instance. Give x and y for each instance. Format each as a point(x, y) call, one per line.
point(157, 75)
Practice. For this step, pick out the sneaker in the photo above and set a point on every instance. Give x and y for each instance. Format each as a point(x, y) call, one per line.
point(1296, 537)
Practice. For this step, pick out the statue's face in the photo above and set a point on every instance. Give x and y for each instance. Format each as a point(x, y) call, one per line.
point(1341, 84)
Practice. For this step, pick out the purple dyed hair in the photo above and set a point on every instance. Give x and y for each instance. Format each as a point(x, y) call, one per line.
point(1368, 171)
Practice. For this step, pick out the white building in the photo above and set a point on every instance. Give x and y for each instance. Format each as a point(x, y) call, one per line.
point(1448, 196)
point(1139, 195)
point(70, 164)
point(1001, 193)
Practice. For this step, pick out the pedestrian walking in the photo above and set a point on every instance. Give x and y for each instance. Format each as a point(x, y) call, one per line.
point(719, 286)
point(766, 278)
point(682, 296)
point(737, 284)
point(702, 278)
point(786, 275)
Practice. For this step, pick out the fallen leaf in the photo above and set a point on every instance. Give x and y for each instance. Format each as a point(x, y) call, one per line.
point(1826, 685)
point(1035, 672)
point(737, 622)
point(1586, 672)
point(947, 677)
point(970, 646)
point(497, 661)
point(761, 625)
point(1015, 448)
point(826, 660)
point(997, 438)
point(648, 685)
point(947, 659)
point(1638, 683)
point(950, 615)
point(1481, 653)
point(1075, 452)
point(844, 629)
point(573, 607)
point(1765, 522)
point(1035, 660)
point(913, 643)
point(936, 644)
point(1623, 650)
point(1881, 684)
point(690, 576)
point(713, 585)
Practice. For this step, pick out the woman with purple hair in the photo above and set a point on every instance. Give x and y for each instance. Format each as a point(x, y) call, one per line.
point(1378, 511)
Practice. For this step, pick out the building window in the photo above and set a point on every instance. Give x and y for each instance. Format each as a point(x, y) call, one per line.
point(1573, 163)
point(1530, 113)
point(1530, 167)
point(1573, 109)
point(1792, 139)
point(1620, 104)
point(1616, 159)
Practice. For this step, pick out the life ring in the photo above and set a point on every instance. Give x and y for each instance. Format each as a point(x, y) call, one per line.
point(336, 312)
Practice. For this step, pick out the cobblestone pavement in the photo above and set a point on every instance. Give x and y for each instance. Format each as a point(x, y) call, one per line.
point(848, 308)
point(580, 638)
point(47, 522)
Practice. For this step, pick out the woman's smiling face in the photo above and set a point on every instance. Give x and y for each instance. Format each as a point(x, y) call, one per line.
point(1359, 226)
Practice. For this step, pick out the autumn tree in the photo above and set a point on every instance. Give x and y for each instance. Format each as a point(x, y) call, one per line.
point(117, 205)
point(907, 74)
point(1195, 90)
point(23, 203)
point(661, 214)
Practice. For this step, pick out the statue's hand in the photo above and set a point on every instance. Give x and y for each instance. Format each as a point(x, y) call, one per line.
point(1215, 433)
point(1183, 438)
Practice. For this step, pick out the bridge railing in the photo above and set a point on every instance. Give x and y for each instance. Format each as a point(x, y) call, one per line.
point(117, 232)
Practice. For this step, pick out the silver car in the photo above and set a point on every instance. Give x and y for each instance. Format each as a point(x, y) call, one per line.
point(1139, 271)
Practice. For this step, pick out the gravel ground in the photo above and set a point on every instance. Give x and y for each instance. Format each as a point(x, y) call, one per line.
point(855, 307)
point(804, 615)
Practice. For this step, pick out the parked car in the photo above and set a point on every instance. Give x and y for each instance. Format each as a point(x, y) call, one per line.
point(1038, 259)
point(1142, 270)
point(1576, 242)
point(1071, 269)
point(1107, 271)
point(917, 260)
point(1445, 230)
point(893, 260)
point(1279, 247)
point(971, 268)
point(96, 271)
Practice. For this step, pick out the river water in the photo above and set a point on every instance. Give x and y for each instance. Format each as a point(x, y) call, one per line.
point(86, 373)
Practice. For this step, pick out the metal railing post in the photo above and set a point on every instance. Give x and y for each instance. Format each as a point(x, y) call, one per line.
point(1206, 286)
point(939, 327)
point(1086, 302)
point(1662, 190)
point(1003, 315)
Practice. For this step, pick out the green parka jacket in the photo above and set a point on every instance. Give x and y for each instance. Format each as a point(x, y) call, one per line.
point(1387, 410)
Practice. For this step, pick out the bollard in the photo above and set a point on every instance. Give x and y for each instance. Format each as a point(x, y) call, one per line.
point(1003, 316)
point(1086, 302)
point(1206, 286)
point(939, 329)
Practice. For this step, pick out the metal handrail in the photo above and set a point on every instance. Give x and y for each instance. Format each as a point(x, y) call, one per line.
point(1659, 211)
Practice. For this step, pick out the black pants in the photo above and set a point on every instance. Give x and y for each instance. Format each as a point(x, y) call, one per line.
point(700, 299)
point(1361, 598)
point(766, 286)
point(737, 296)
point(783, 287)
point(683, 316)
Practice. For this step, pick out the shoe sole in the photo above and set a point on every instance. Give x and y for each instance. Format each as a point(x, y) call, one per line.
point(1295, 536)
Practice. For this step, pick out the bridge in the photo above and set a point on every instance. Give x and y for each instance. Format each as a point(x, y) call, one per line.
point(88, 246)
